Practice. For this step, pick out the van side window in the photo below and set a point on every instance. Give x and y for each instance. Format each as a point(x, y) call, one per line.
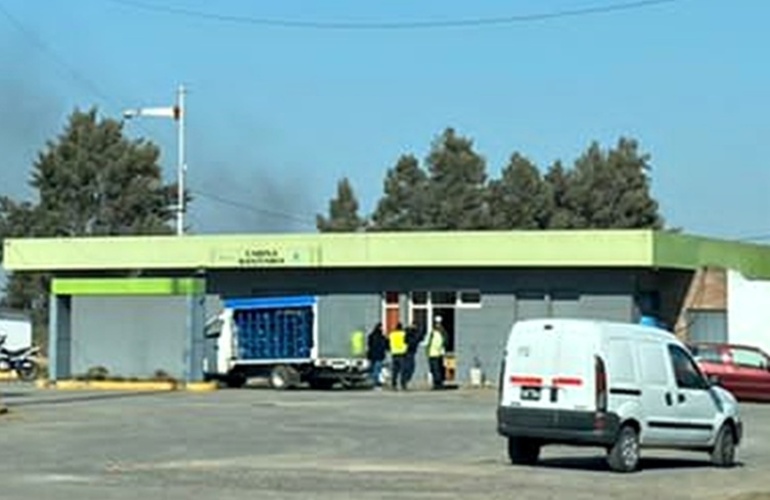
point(688, 376)
point(621, 361)
point(653, 363)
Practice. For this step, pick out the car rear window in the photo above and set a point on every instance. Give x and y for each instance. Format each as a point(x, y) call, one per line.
point(709, 354)
point(749, 358)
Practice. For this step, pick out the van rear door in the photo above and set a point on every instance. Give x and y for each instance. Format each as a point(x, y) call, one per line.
point(549, 364)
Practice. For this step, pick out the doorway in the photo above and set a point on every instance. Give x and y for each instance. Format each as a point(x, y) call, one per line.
point(424, 309)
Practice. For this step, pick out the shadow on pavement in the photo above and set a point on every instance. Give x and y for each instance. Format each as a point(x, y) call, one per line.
point(15, 394)
point(599, 464)
point(74, 398)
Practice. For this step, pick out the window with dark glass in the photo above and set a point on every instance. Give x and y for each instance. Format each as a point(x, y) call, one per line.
point(687, 374)
point(470, 297)
point(419, 297)
point(709, 354)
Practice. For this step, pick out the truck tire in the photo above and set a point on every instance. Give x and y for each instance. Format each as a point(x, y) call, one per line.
point(235, 380)
point(624, 454)
point(321, 384)
point(283, 377)
point(723, 452)
point(522, 451)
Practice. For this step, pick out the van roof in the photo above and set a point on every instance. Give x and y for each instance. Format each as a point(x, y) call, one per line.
point(585, 323)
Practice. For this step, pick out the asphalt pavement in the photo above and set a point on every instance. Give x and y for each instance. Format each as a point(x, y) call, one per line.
point(258, 443)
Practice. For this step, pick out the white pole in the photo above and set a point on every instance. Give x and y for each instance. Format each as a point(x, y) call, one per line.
point(182, 167)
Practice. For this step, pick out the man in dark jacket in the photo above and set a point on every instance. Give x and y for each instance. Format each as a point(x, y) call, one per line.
point(377, 349)
point(413, 339)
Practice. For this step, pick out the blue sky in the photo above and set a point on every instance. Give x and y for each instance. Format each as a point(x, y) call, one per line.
point(277, 116)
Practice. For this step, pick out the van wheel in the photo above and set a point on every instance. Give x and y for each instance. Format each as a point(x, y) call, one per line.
point(723, 453)
point(624, 454)
point(522, 451)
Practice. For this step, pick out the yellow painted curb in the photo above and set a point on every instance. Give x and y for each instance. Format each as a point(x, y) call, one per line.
point(113, 385)
point(117, 385)
point(201, 386)
point(12, 375)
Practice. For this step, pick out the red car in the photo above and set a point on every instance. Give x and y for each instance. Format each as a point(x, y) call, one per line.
point(742, 370)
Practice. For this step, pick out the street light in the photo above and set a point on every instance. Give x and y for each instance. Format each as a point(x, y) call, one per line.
point(177, 113)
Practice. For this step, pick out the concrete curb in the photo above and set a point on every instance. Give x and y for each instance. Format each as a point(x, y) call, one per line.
point(117, 385)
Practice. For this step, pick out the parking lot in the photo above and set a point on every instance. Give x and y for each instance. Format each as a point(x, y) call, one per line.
point(256, 443)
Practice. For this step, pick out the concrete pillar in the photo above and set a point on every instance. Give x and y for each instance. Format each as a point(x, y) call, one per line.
point(195, 347)
point(59, 337)
point(53, 337)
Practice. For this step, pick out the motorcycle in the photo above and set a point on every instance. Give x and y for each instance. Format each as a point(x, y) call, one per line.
point(19, 360)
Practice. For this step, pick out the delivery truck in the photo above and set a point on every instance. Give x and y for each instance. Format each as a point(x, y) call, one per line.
point(279, 339)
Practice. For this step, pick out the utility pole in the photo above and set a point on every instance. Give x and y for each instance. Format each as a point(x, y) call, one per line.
point(179, 114)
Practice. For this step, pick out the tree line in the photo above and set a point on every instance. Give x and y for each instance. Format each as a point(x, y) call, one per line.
point(91, 180)
point(451, 190)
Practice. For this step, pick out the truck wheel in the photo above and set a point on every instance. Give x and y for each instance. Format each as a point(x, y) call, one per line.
point(235, 380)
point(283, 377)
point(522, 451)
point(624, 454)
point(321, 384)
point(723, 453)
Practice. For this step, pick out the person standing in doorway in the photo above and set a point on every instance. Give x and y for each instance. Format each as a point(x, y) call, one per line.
point(377, 349)
point(412, 342)
point(436, 350)
point(397, 342)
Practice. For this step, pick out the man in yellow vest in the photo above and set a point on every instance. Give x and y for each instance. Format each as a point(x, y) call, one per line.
point(358, 343)
point(436, 350)
point(397, 345)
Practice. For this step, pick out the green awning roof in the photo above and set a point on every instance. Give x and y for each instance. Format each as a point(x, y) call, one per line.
point(595, 248)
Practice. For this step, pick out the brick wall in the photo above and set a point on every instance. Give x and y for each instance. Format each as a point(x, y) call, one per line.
point(707, 291)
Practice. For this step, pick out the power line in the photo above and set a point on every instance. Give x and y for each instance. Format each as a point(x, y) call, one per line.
point(65, 67)
point(755, 237)
point(52, 54)
point(252, 208)
point(79, 78)
point(396, 25)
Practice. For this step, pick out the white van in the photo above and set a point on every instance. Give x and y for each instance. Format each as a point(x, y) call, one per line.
point(618, 386)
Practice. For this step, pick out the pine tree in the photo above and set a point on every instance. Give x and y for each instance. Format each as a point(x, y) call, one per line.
point(557, 181)
point(94, 181)
point(520, 199)
point(611, 189)
point(456, 195)
point(403, 206)
point(343, 211)
point(91, 180)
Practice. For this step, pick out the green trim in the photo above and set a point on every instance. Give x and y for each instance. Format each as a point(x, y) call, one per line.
point(586, 249)
point(694, 252)
point(403, 249)
point(128, 286)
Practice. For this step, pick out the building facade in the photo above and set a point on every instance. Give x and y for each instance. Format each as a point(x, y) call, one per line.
point(138, 305)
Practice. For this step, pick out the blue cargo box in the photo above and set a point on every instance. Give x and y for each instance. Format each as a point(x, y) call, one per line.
point(274, 328)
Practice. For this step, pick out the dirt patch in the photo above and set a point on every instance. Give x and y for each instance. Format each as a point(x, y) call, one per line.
point(751, 496)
